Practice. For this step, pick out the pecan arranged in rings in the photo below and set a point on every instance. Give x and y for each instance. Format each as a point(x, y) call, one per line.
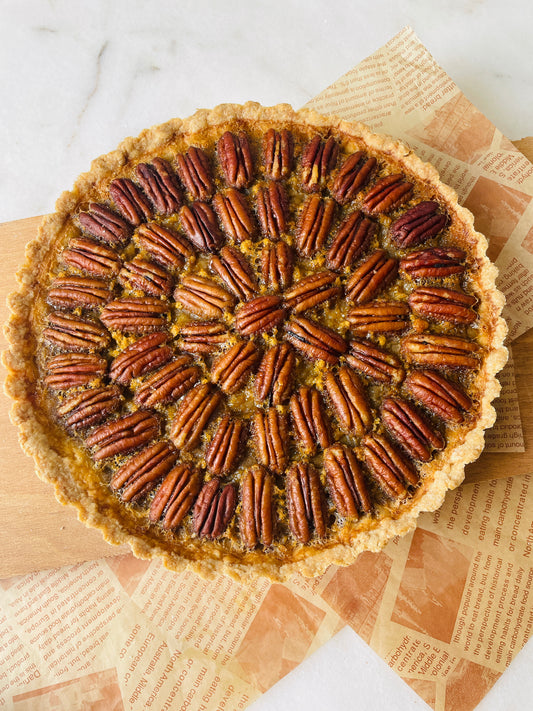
point(379, 317)
point(202, 337)
point(234, 214)
point(434, 263)
point(70, 370)
point(165, 246)
point(214, 509)
point(438, 395)
point(440, 351)
point(272, 210)
point(352, 176)
point(311, 291)
point(145, 276)
point(176, 495)
point(235, 271)
point(89, 407)
point(259, 315)
point(348, 399)
point(315, 222)
point(353, 237)
point(305, 502)
point(277, 262)
point(440, 304)
point(71, 333)
point(168, 383)
point(203, 297)
point(370, 360)
point(410, 429)
point(273, 380)
point(131, 202)
point(142, 356)
point(226, 447)
point(231, 370)
point(372, 276)
point(71, 292)
point(318, 159)
point(135, 314)
point(195, 173)
point(141, 472)
point(419, 224)
point(201, 227)
point(270, 436)
point(387, 194)
point(278, 152)
point(123, 435)
point(193, 414)
point(390, 468)
point(315, 341)
point(346, 482)
point(91, 257)
point(257, 515)
point(310, 425)
point(235, 158)
point(105, 224)
point(161, 185)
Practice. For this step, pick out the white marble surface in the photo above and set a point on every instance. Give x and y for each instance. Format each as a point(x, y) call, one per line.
point(79, 76)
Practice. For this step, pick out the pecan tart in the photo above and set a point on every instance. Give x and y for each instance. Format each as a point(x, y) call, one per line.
point(255, 342)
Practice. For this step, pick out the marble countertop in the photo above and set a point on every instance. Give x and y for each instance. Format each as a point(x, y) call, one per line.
point(78, 77)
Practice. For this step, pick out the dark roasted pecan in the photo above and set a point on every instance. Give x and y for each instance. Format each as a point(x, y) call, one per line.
point(315, 222)
point(440, 304)
point(214, 509)
point(176, 495)
point(231, 370)
point(123, 435)
point(371, 276)
point(352, 176)
point(131, 202)
point(418, 224)
point(70, 370)
point(226, 447)
point(202, 337)
point(353, 237)
point(140, 357)
point(91, 257)
point(169, 383)
point(71, 292)
point(160, 183)
point(318, 159)
point(438, 395)
point(434, 263)
point(104, 223)
point(277, 263)
point(390, 468)
point(259, 315)
point(70, 333)
point(440, 351)
point(274, 378)
point(348, 399)
point(410, 429)
point(141, 472)
point(374, 362)
point(201, 227)
point(315, 341)
point(278, 151)
point(346, 482)
point(232, 210)
point(257, 514)
point(312, 290)
point(89, 407)
point(310, 425)
point(379, 317)
point(164, 245)
point(305, 502)
point(387, 194)
point(235, 271)
point(145, 276)
point(135, 314)
point(235, 158)
point(270, 438)
point(272, 210)
point(203, 296)
point(195, 173)
point(193, 413)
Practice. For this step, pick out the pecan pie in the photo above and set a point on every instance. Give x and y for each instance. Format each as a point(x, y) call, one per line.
point(256, 342)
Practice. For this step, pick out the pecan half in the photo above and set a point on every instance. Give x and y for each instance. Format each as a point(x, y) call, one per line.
point(140, 357)
point(440, 304)
point(123, 435)
point(161, 185)
point(70, 370)
point(176, 495)
point(135, 314)
point(91, 257)
point(202, 337)
point(274, 377)
point(410, 429)
point(168, 383)
point(272, 210)
point(235, 158)
point(131, 202)
point(195, 173)
point(379, 317)
point(390, 469)
point(259, 315)
point(418, 224)
point(353, 175)
point(203, 297)
point(71, 292)
point(371, 277)
point(311, 291)
point(305, 502)
point(257, 515)
point(315, 341)
point(348, 399)
point(315, 222)
point(234, 214)
point(165, 246)
point(89, 407)
point(346, 482)
point(141, 472)
point(318, 159)
point(278, 152)
point(434, 263)
point(214, 509)
point(105, 224)
point(370, 360)
point(387, 194)
point(235, 271)
point(226, 447)
point(231, 370)
point(200, 225)
point(270, 436)
point(310, 425)
point(277, 262)
point(440, 351)
point(193, 414)
point(71, 333)
point(441, 397)
point(146, 276)
point(353, 237)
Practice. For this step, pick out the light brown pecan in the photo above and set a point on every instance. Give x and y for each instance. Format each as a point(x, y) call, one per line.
point(141, 472)
point(226, 447)
point(130, 200)
point(437, 394)
point(349, 402)
point(434, 263)
point(89, 407)
point(441, 304)
point(145, 276)
point(193, 414)
point(231, 370)
point(235, 158)
point(259, 315)
point(274, 377)
point(318, 159)
point(135, 314)
point(277, 262)
point(387, 194)
point(168, 383)
point(346, 482)
point(202, 337)
point(315, 222)
point(71, 370)
point(195, 173)
point(71, 292)
point(235, 271)
point(91, 257)
point(310, 425)
point(410, 429)
point(270, 436)
point(374, 362)
point(370, 278)
point(315, 341)
point(234, 214)
point(419, 224)
point(123, 435)
point(272, 209)
point(278, 152)
point(390, 468)
point(105, 224)
point(161, 185)
point(203, 296)
point(200, 224)
point(353, 175)
point(214, 509)
point(176, 495)
point(440, 351)
point(257, 514)
point(311, 291)
point(379, 317)
point(71, 333)
point(305, 502)
point(353, 237)
point(165, 246)
point(140, 357)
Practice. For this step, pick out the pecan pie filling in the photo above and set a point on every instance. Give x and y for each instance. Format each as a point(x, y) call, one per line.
point(259, 342)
